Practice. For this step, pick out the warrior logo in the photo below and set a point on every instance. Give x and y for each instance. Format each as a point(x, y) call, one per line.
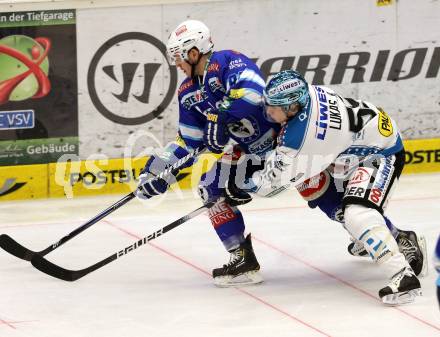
point(120, 64)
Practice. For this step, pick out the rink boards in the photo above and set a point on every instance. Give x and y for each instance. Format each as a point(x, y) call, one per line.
point(106, 176)
point(85, 178)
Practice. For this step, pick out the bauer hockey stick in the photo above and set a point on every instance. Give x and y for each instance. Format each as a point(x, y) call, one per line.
point(16, 249)
point(54, 270)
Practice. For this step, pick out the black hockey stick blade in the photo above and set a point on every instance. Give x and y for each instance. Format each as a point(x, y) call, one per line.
point(61, 273)
point(14, 248)
point(64, 274)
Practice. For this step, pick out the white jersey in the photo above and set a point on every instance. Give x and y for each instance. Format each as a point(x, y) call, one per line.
point(329, 130)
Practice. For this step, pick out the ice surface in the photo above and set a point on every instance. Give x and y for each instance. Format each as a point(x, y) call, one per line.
point(312, 287)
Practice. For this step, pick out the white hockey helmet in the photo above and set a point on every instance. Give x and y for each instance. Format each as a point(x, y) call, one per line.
point(187, 35)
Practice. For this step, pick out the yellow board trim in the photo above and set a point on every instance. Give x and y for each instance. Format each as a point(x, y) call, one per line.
point(384, 2)
point(119, 176)
point(422, 155)
point(23, 182)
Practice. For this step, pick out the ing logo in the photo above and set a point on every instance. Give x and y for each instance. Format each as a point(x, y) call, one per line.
point(24, 67)
point(129, 75)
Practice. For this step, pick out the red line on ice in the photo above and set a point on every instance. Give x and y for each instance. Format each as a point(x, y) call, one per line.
point(244, 210)
point(209, 274)
point(308, 264)
point(8, 324)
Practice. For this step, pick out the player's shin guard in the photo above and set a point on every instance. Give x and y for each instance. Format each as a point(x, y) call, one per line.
point(411, 245)
point(368, 226)
point(356, 248)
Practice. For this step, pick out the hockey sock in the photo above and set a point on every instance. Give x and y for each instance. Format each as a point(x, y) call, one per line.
point(228, 223)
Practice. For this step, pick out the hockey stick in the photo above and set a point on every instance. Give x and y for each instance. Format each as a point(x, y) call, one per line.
point(54, 270)
point(16, 249)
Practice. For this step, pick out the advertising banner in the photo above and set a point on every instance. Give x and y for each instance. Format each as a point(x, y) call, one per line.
point(38, 86)
point(126, 85)
point(106, 176)
point(422, 156)
point(117, 176)
point(23, 182)
point(378, 51)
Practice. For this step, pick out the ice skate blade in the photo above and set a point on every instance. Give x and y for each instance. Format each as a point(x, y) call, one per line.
point(249, 278)
point(402, 298)
point(422, 244)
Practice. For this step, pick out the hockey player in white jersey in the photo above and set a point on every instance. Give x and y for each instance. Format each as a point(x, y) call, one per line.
point(360, 145)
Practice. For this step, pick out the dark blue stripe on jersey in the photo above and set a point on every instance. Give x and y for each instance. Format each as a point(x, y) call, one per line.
point(295, 130)
point(393, 149)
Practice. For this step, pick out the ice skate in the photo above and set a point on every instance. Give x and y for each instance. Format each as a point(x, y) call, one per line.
point(403, 288)
point(356, 248)
point(413, 247)
point(242, 269)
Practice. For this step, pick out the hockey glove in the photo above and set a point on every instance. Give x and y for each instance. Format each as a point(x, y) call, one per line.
point(149, 185)
point(235, 196)
point(216, 134)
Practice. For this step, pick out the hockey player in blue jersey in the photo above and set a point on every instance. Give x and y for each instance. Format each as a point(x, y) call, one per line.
point(220, 100)
point(437, 267)
point(359, 145)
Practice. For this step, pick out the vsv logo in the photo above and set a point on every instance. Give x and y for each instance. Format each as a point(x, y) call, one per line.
point(130, 75)
point(10, 120)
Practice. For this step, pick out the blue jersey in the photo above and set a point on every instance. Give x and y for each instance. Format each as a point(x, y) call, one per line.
point(231, 84)
point(437, 260)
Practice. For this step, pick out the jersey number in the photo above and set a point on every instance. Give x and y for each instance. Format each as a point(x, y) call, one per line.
point(356, 114)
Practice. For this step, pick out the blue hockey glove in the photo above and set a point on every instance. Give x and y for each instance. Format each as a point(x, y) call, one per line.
point(216, 134)
point(149, 185)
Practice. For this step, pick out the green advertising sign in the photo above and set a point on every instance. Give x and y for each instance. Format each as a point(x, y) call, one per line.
point(38, 86)
point(36, 151)
point(37, 18)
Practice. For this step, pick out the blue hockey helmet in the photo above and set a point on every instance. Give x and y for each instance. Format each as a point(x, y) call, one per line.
point(286, 88)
